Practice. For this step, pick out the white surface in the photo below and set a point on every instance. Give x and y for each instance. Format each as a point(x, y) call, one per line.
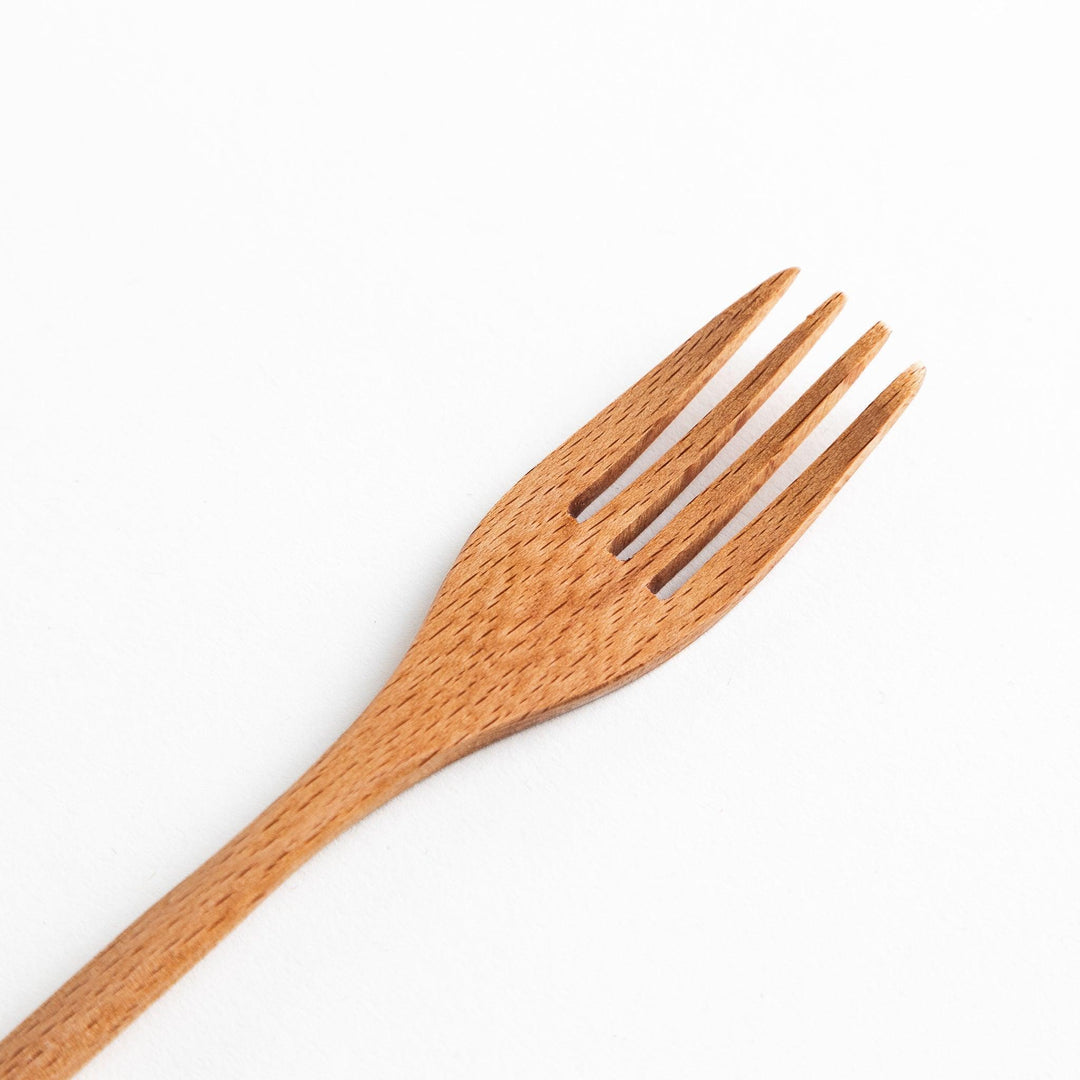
point(292, 293)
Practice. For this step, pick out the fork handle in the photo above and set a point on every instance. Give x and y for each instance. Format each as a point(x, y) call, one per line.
point(367, 766)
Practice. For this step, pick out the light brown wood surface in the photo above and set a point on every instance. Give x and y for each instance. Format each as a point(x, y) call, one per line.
point(537, 615)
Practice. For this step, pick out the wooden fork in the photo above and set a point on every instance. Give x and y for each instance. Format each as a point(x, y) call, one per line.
point(537, 615)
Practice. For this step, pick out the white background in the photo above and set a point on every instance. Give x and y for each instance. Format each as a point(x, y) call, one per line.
point(291, 293)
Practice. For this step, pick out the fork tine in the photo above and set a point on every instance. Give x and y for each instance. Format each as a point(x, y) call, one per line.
point(641, 502)
point(754, 551)
point(601, 450)
point(677, 544)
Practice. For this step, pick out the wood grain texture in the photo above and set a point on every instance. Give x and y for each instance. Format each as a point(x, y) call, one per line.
point(537, 615)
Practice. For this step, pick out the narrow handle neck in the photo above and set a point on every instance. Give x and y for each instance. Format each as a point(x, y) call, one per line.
point(375, 759)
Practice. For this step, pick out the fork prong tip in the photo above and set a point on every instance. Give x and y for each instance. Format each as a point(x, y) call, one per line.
point(830, 307)
point(772, 288)
point(912, 379)
point(878, 334)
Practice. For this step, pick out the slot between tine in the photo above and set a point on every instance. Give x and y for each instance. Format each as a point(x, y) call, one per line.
point(756, 549)
point(696, 525)
point(650, 494)
point(606, 446)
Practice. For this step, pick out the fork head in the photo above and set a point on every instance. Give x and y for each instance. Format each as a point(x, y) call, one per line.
point(539, 614)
